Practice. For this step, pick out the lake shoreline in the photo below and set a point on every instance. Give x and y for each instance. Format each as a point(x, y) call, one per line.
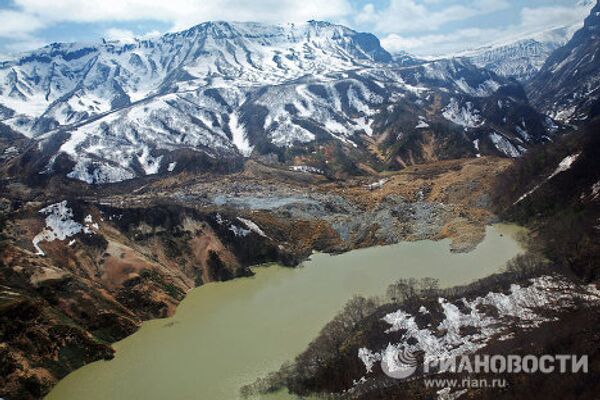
point(273, 270)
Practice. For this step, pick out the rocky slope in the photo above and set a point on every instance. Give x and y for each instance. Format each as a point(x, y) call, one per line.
point(266, 112)
point(567, 87)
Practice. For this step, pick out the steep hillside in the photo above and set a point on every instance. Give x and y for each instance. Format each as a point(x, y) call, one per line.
point(555, 189)
point(568, 86)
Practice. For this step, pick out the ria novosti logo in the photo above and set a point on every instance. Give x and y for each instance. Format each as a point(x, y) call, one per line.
point(400, 365)
point(403, 364)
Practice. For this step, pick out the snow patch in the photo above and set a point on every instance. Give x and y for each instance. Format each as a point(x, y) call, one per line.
point(253, 227)
point(59, 225)
point(239, 137)
point(377, 185)
point(595, 190)
point(523, 133)
point(446, 394)
point(504, 145)
point(466, 116)
point(307, 169)
point(238, 231)
point(368, 358)
point(476, 145)
point(422, 123)
point(563, 166)
point(97, 173)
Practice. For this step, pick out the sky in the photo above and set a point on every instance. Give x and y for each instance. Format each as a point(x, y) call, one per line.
point(420, 27)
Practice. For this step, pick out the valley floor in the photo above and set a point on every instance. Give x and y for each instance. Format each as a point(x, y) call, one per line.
point(84, 272)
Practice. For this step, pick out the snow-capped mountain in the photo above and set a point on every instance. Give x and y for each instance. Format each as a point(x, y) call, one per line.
point(63, 84)
point(123, 101)
point(219, 91)
point(523, 58)
point(568, 85)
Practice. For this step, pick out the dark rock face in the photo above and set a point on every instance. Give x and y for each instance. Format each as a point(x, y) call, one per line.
point(568, 86)
point(370, 44)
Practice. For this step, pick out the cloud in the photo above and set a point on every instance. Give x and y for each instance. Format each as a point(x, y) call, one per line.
point(414, 16)
point(124, 35)
point(439, 44)
point(25, 45)
point(184, 13)
point(546, 17)
point(531, 21)
point(18, 25)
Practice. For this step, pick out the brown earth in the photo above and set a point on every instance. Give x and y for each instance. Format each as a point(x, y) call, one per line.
point(158, 238)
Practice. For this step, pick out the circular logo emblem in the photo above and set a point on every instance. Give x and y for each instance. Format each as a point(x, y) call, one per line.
point(401, 365)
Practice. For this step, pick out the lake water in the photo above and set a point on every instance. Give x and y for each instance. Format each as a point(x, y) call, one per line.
point(225, 335)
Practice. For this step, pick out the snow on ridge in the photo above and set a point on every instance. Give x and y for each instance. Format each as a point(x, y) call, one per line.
point(521, 307)
point(132, 108)
point(84, 74)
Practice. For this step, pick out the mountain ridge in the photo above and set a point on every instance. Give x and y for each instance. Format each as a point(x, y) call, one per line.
point(220, 91)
